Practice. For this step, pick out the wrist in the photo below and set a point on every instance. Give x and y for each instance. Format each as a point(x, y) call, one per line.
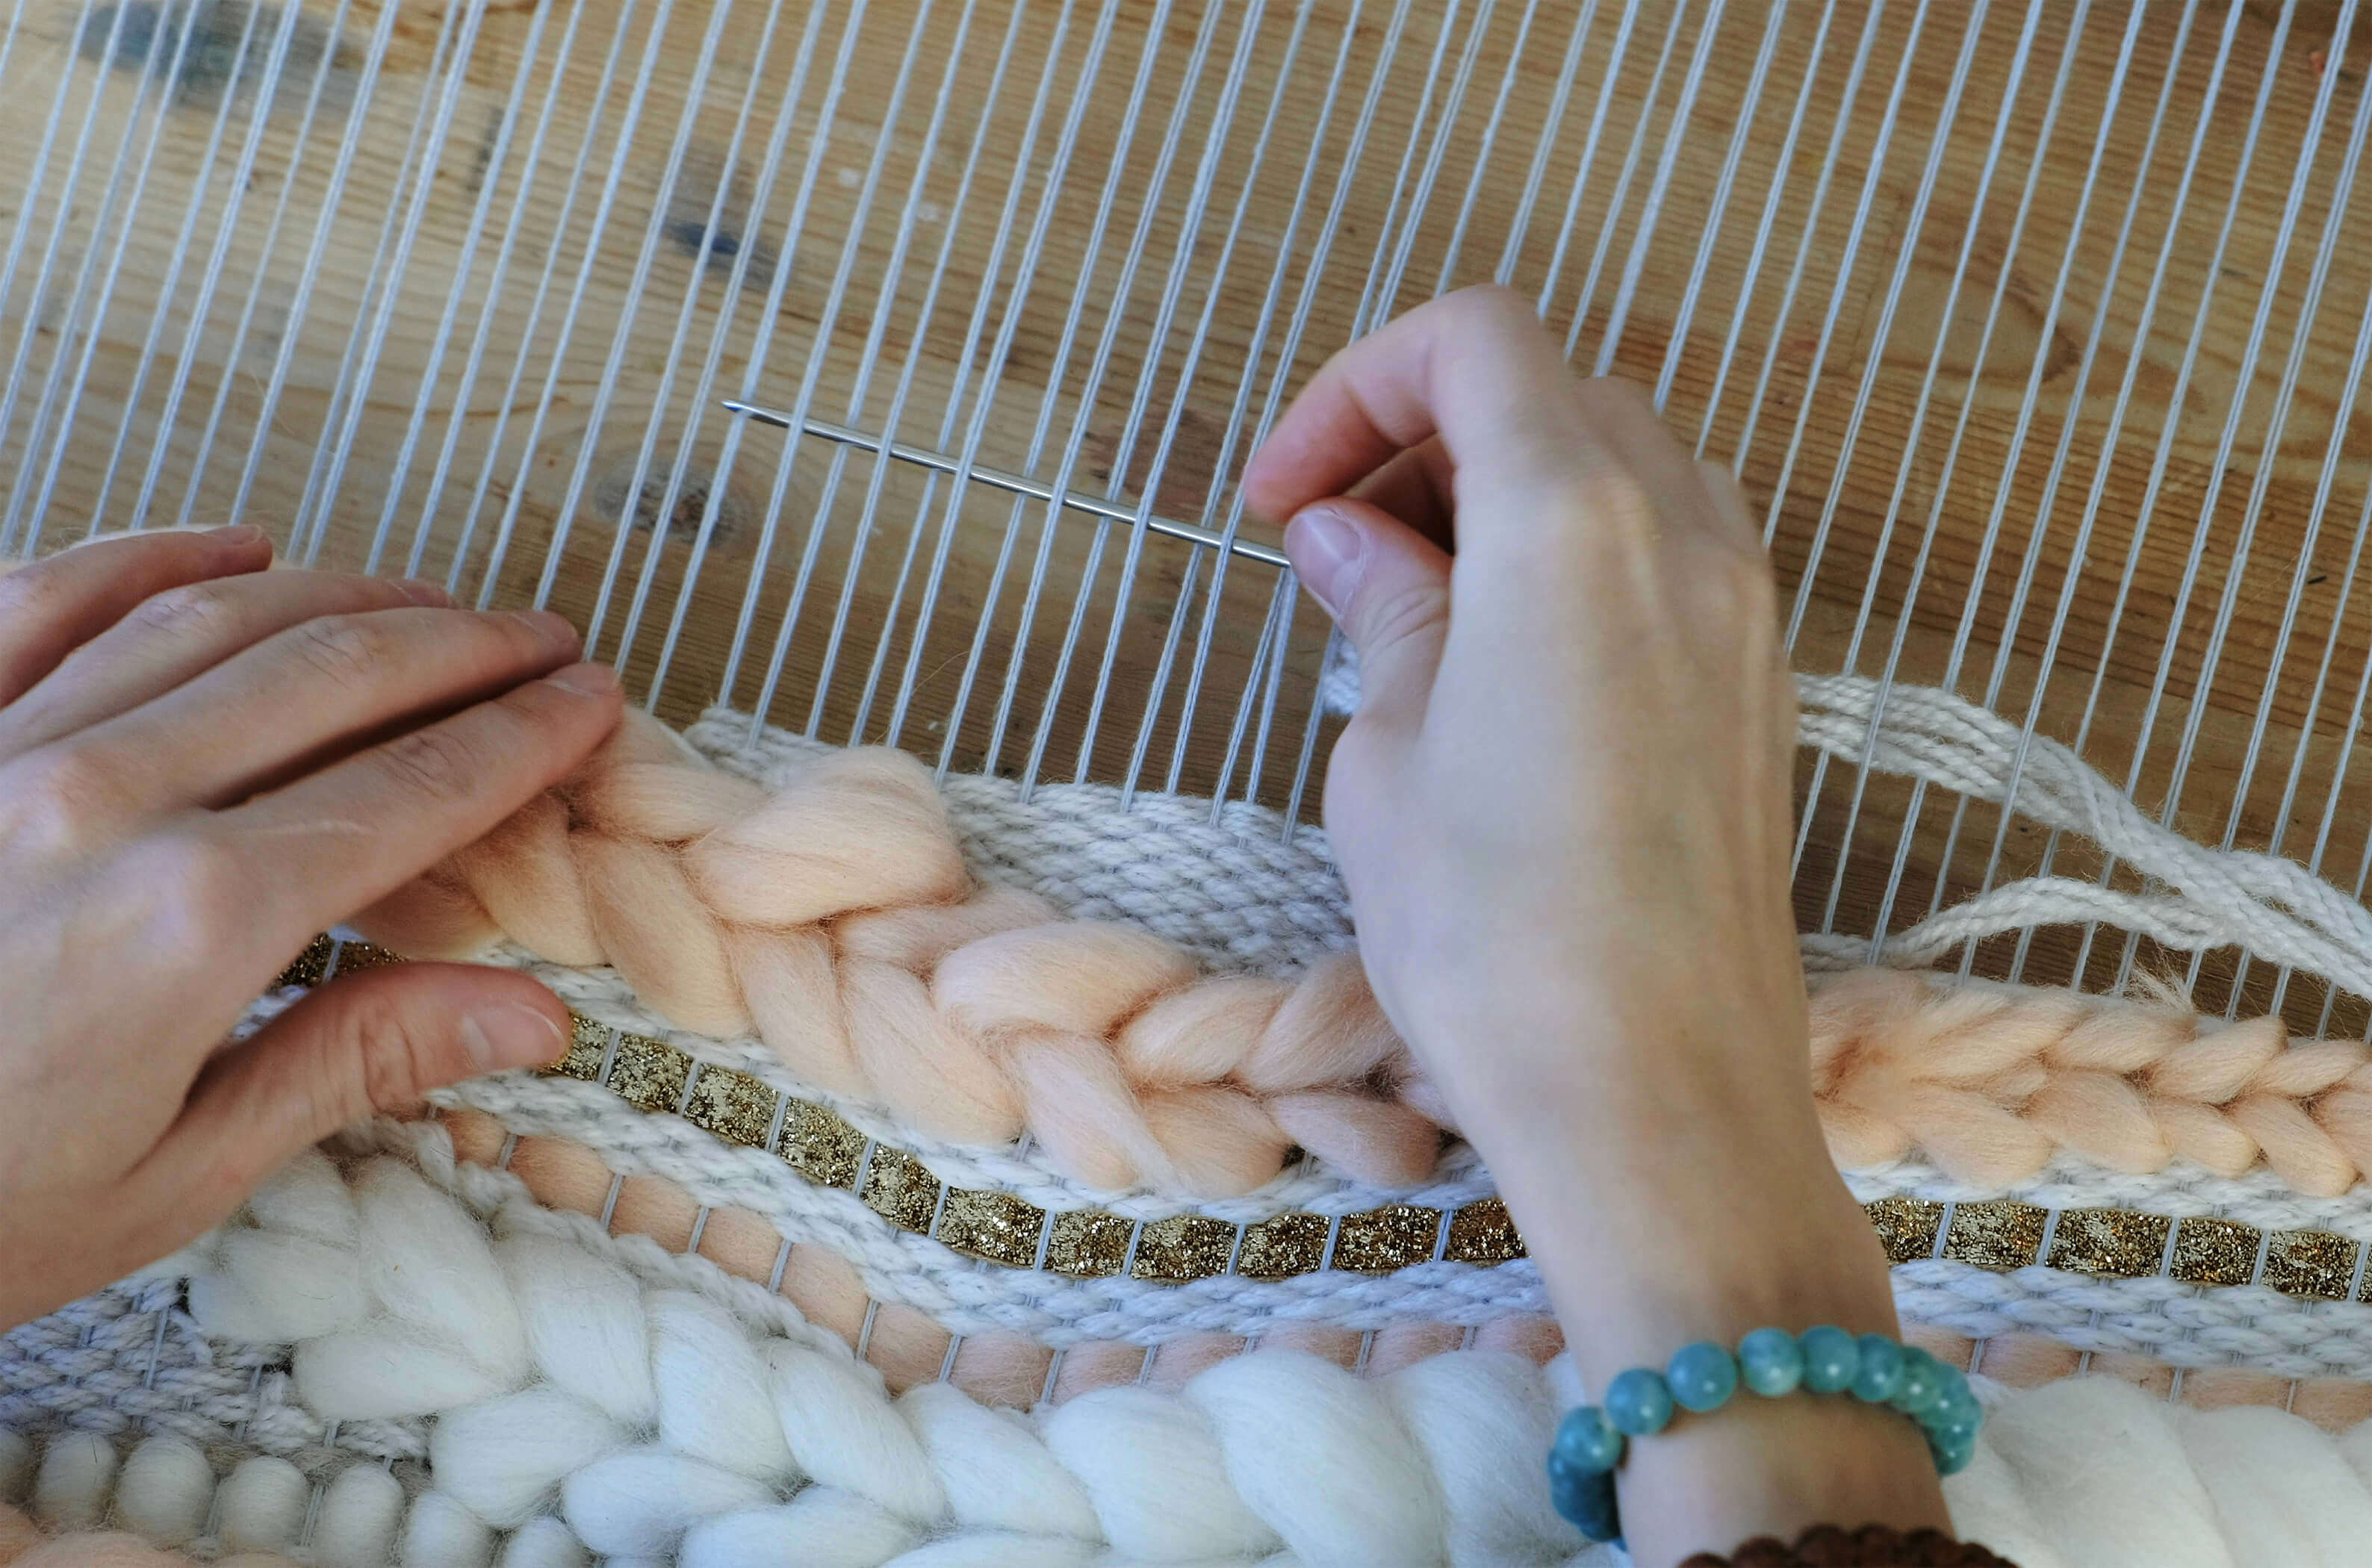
point(1653, 1227)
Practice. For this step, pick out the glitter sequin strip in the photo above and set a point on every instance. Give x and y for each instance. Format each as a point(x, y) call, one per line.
point(1003, 1229)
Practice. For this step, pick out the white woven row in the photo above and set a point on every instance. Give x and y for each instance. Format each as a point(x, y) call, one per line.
point(897, 1265)
point(1243, 891)
point(2184, 1190)
point(2183, 1324)
point(583, 1394)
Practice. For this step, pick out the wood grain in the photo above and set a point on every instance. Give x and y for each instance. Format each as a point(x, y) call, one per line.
point(2035, 327)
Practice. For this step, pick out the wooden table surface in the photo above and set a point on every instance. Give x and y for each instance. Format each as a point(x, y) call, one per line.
point(2035, 327)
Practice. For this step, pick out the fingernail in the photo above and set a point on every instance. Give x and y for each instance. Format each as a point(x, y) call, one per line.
point(551, 628)
point(509, 1033)
point(420, 590)
point(1328, 550)
point(586, 680)
point(236, 533)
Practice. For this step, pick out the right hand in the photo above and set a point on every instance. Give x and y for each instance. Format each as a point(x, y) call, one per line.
point(1565, 794)
point(1563, 815)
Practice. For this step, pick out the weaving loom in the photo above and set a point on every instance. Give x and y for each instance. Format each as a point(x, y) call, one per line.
point(878, 376)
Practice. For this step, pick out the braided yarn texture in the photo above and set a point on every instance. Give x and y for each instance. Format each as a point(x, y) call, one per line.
point(834, 919)
point(953, 967)
point(1989, 1082)
point(579, 1394)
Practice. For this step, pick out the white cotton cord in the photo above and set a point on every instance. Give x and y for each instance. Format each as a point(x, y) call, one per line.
point(2263, 904)
point(751, 1436)
point(361, 1513)
point(70, 1489)
point(16, 1462)
point(915, 1270)
point(262, 1504)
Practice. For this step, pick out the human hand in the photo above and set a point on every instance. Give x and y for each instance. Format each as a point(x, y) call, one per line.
point(1562, 812)
point(202, 764)
point(1564, 796)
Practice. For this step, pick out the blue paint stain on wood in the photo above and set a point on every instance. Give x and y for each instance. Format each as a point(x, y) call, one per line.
point(209, 50)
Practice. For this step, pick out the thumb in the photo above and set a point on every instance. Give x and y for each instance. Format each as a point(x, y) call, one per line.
point(374, 1042)
point(1388, 587)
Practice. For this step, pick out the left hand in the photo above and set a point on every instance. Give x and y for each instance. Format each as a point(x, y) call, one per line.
point(202, 765)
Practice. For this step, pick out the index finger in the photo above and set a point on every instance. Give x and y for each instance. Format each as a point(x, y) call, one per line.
point(55, 605)
point(1475, 368)
point(345, 837)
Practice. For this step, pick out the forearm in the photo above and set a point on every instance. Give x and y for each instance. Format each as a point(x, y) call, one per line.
point(1657, 1223)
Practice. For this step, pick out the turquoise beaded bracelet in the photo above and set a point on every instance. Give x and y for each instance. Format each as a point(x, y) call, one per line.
point(1591, 1441)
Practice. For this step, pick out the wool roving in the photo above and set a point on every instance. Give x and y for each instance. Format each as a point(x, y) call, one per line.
point(762, 1440)
point(834, 919)
point(1990, 1081)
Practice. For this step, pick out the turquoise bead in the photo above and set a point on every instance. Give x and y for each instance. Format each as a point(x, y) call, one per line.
point(1701, 1376)
point(1771, 1363)
point(1958, 1407)
point(1879, 1376)
point(1587, 1444)
point(1923, 1382)
point(1592, 1441)
point(1639, 1403)
point(1831, 1357)
point(1956, 1430)
point(1586, 1501)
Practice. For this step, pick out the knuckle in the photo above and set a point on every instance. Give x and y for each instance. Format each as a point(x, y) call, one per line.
point(443, 762)
point(1618, 507)
point(348, 650)
point(63, 798)
point(197, 612)
point(384, 1056)
point(1399, 613)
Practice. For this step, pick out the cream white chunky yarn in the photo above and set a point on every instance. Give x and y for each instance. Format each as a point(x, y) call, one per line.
point(657, 1406)
point(582, 1395)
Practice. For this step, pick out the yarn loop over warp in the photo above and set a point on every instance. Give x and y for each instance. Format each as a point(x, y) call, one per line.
point(835, 920)
point(1992, 1081)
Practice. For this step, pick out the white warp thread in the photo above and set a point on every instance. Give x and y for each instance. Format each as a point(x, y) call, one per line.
point(2260, 903)
point(897, 1265)
point(595, 1394)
